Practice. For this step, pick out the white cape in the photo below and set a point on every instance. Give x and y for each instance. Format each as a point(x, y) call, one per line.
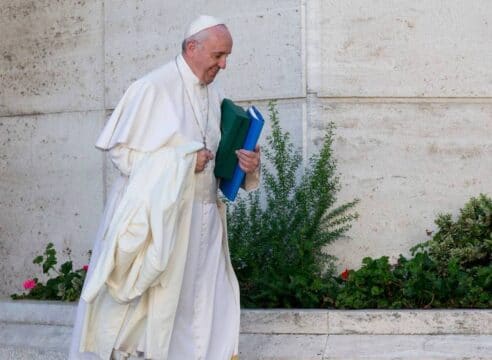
point(143, 253)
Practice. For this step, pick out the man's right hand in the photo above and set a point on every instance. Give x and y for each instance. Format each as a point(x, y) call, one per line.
point(202, 158)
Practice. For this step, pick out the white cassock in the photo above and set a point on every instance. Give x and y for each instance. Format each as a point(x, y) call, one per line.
point(160, 283)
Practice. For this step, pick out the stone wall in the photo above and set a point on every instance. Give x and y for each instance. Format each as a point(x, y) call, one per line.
point(408, 85)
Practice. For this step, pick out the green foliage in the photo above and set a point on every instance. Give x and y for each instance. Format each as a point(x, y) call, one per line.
point(277, 245)
point(452, 269)
point(66, 285)
point(372, 286)
point(415, 283)
point(468, 240)
point(49, 261)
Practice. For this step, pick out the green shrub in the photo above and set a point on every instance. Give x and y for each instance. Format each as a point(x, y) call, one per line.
point(468, 240)
point(372, 286)
point(277, 244)
point(418, 280)
point(415, 283)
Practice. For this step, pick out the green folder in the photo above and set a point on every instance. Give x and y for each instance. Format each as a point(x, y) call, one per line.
point(234, 124)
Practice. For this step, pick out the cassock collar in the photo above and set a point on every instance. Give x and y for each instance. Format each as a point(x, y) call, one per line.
point(188, 75)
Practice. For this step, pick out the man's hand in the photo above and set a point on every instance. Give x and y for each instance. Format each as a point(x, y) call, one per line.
point(202, 158)
point(249, 160)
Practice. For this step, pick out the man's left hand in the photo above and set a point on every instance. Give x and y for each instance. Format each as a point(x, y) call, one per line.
point(249, 160)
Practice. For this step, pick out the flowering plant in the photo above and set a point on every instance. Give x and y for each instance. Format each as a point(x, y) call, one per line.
point(345, 275)
point(29, 284)
point(66, 285)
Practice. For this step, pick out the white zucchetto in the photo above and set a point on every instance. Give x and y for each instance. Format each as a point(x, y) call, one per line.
point(201, 23)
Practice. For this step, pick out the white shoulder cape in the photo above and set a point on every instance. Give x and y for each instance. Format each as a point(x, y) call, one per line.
point(151, 111)
point(143, 252)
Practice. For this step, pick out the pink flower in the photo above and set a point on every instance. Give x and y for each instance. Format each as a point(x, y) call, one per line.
point(85, 267)
point(345, 274)
point(29, 284)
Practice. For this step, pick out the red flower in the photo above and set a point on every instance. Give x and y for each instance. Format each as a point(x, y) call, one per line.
point(345, 274)
point(85, 267)
point(29, 284)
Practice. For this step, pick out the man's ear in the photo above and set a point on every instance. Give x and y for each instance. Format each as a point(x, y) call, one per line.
point(191, 46)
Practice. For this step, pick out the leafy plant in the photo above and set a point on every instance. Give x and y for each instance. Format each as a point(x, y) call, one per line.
point(66, 285)
point(277, 245)
point(468, 240)
point(415, 283)
point(372, 286)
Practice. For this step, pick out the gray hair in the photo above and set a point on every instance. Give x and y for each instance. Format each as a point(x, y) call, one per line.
point(199, 37)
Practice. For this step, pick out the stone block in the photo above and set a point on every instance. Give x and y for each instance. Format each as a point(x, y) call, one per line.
point(408, 347)
point(266, 61)
point(412, 322)
point(408, 49)
point(46, 337)
point(51, 56)
point(406, 162)
point(281, 347)
point(37, 312)
point(284, 321)
point(25, 353)
point(51, 190)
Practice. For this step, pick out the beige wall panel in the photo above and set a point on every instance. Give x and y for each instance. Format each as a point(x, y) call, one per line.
point(404, 48)
point(265, 63)
point(51, 57)
point(406, 163)
point(50, 190)
point(290, 115)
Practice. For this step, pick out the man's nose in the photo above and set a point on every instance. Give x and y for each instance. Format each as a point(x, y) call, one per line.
point(222, 62)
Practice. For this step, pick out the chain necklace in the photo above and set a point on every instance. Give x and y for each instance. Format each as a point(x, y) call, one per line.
point(203, 132)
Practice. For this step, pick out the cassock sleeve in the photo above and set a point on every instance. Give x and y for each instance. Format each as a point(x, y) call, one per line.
point(252, 180)
point(123, 158)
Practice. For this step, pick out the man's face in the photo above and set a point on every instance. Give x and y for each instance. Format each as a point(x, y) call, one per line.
point(210, 55)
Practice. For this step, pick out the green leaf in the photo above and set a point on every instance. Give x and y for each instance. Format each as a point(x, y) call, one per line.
point(66, 267)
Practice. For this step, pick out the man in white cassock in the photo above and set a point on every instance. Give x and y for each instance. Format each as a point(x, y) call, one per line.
point(160, 283)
